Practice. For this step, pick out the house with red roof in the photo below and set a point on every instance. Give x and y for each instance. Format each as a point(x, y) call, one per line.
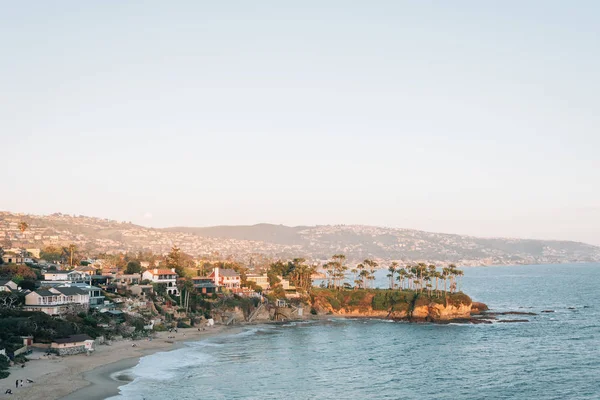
point(166, 276)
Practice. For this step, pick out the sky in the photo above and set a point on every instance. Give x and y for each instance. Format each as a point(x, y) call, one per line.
point(470, 117)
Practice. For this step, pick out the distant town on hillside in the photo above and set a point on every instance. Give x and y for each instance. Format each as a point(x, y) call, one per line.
point(268, 242)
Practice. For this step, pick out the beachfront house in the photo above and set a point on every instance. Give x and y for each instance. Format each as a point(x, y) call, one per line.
point(165, 276)
point(226, 278)
point(7, 285)
point(74, 344)
point(58, 300)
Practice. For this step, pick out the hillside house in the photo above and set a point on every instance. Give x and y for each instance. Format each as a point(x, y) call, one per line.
point(57, 300)
point(226, 278)
point(205, 285)
point(67, 276)
point(87, 269)
point(260, 280)
point(7, 285)
point(165, 276)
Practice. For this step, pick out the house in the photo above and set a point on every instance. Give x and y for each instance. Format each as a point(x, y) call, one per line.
point(67, 276)
point(285, 283)
point(86, 268)
point(57, 300)
point(260, 280)
point(205, 285)
point(138, 290)
point(127, 279)
point(95, 293)
point(226, 278)
point(14, 258)
point(74, 344)
point(6, 285)
point(165, 276)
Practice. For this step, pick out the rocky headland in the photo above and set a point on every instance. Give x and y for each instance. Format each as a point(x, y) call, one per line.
point(401, 305)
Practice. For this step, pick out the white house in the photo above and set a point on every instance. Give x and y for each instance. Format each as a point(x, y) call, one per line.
point(166, 276)
point(6, 285)
point(67, 276)
point(57, 300)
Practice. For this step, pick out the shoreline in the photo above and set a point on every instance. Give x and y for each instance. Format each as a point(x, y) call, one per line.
point(101, 381)
point(89, 377)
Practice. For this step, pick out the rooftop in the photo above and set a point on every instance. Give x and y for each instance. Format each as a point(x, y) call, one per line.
point(73, 339)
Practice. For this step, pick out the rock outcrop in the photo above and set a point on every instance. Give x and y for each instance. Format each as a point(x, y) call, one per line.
point(397, 305)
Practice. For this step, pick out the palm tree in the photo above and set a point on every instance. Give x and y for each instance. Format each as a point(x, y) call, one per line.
point(392, 268)
point(354, 272)
point(23, 227)
point(372, 267)
point(401, 276)
point(71, 250)
point(338, 269)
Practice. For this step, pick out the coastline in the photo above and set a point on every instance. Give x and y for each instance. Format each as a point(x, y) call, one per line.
point(89, 377)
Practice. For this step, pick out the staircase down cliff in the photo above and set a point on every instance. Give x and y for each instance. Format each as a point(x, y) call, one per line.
point(405, 305)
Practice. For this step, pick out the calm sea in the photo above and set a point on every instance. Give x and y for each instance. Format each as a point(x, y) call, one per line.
point(554, 356)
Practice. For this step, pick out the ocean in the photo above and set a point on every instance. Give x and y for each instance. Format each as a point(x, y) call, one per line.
point(555, 355)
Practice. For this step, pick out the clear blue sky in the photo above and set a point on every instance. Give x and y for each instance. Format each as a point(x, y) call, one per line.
point(465, 117)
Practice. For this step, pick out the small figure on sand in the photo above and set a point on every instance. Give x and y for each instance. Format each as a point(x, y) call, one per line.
point(17, 384)
point(21, 383)
point(29, 380)
point(8, 391)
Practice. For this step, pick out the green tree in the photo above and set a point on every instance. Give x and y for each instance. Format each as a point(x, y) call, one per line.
point(175, 260)
point(4, 366)
point(133, 267)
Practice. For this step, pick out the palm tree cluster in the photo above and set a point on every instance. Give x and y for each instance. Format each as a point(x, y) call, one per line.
point(336, 269)
point(422, 276)
point(297, 271)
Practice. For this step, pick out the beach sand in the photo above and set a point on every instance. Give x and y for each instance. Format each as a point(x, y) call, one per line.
point(89, 377)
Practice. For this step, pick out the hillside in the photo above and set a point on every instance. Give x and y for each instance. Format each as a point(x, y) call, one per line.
point(315, 243)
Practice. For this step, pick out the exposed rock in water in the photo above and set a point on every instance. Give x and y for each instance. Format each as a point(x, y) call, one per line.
point(547, 311)
point(512, 320)
point(477, 307)
point(512, 313)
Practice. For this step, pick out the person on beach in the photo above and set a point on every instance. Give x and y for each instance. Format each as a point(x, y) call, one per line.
point(21, 383)
point(29, 380)
point(17, 384)
point(8, 391)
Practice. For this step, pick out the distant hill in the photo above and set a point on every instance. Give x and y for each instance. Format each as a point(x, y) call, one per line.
point(279, 234)
point(315, 243)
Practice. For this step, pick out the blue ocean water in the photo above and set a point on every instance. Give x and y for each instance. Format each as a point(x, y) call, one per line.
point(554, 356)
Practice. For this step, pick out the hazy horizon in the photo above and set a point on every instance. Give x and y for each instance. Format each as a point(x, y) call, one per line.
point(468, 118)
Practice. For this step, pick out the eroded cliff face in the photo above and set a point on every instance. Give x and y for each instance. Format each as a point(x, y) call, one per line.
point(417, 308)
point(441, 312)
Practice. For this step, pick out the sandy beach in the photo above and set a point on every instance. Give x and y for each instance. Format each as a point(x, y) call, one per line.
point(89, 377)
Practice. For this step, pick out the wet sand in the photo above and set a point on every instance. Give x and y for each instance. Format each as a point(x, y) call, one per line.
point(89, 377)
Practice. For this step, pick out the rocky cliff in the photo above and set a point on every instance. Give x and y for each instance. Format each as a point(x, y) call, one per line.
point(395, 304)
